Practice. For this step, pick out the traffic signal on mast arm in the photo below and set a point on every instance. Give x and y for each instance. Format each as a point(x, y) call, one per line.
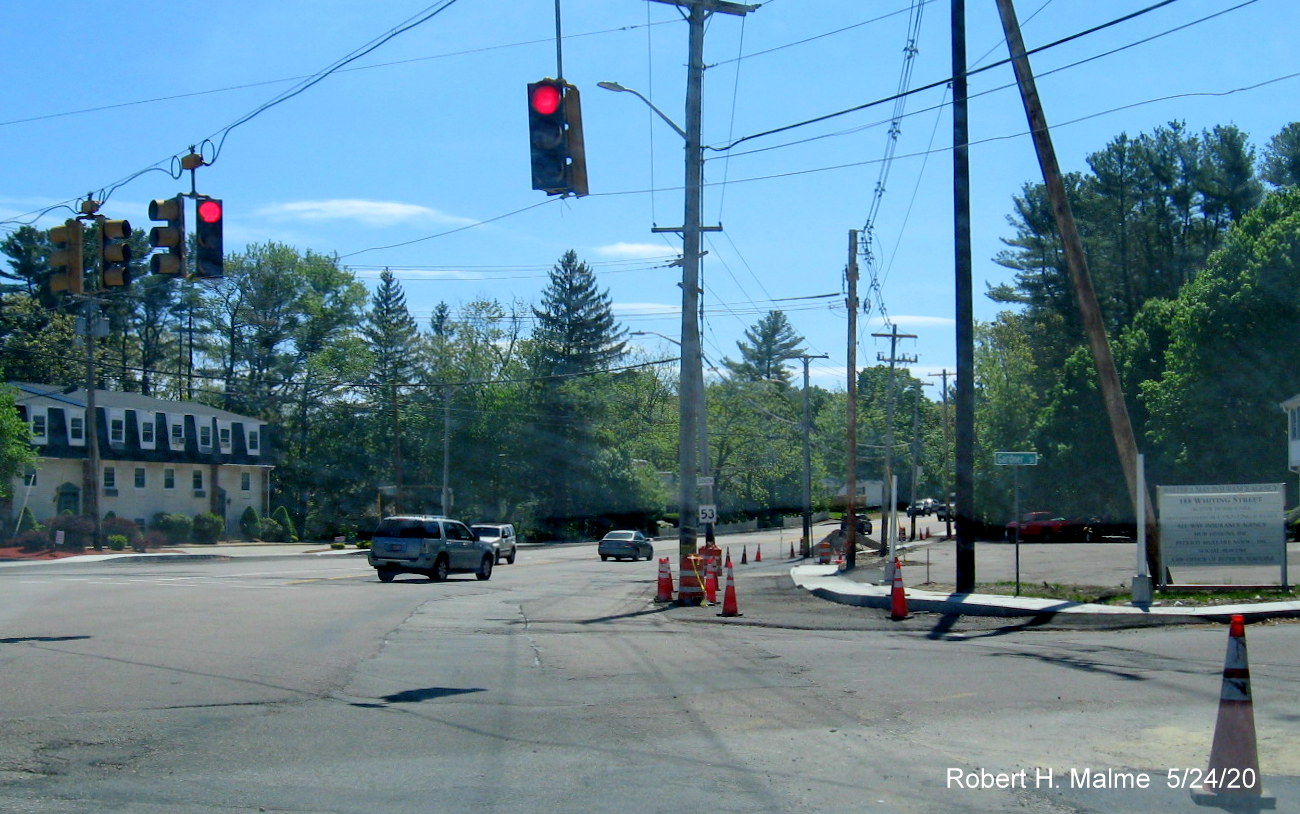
point(114, 253)
point(559, 165)
point(208, 220)
point(67, 261)
point(170, 237)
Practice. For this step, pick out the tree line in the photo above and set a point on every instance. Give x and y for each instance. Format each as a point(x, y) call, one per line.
point(544, 415)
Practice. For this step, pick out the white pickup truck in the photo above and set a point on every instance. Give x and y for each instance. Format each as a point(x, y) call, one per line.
point(430, 545)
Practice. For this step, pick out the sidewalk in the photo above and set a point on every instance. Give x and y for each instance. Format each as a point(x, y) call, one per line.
point(201, 552)
point(1067, 563)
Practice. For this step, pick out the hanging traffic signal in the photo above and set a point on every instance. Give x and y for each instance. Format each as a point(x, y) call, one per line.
point(170, 237)
point(114, 253)
point(67, 261)
point(209, 216)
point(555, 138)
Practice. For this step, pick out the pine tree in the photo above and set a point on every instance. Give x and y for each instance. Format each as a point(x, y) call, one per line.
point(392, 337)
point(575, 332)
point(770, 343)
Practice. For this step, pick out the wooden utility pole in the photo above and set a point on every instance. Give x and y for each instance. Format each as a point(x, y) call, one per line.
point(851, 482)
point(889, 511)
point(1085, 295)
point(947, 486)
point(965, 310)
point(805, 545)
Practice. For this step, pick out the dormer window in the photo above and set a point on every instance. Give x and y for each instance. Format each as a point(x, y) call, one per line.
point(205, 437)
point(116, 431)
point(76, 428)
point(39, 429)
point(252, 441)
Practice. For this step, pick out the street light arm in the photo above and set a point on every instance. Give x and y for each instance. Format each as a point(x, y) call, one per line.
point(617, 88)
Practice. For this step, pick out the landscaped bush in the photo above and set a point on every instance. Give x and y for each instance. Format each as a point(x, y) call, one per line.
point(124, 527)
point(116, 542)
point(78, 531)
point(281, 516)
point(273, 532)
point(175, 528)
point(26, 520)
point(208, 528)
point(250, 524)
point(33, 540)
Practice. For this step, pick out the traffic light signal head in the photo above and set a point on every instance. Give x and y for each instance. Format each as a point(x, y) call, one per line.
point(555, 138)
point(170, 237)
point(209, 217)
point(67, 261)
point(114, 253)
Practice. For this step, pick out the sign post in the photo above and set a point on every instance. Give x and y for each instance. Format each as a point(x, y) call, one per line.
point(1015, 460)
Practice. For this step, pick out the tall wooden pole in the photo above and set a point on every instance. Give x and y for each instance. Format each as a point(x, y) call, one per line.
point(965, 397)
point(851, 482)
point(1085, 295)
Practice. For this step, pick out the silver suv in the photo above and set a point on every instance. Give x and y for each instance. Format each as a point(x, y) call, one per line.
point(501, 536)
point(430, 545)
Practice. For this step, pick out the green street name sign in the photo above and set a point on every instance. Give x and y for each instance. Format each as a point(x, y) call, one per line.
point(1015, 459)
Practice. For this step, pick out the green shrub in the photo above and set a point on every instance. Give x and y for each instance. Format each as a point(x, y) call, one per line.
point(337, 546)
point(281, 516)
point(250, 524)
point(272, 532)
point(27, 520)
point(208, 528)
point(363, 544)
point(122, 526)
point(116, 542)
point(175, 528)
point(33, 540)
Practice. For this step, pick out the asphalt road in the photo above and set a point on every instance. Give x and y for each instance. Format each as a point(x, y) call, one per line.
point(305, 685)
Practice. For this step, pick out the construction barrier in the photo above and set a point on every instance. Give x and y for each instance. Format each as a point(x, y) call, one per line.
point(729, 607)
point(1234, 758)
point(897, 596)
point(711, 580)
point(822, 551)
point(690, 582)
point(665, 581)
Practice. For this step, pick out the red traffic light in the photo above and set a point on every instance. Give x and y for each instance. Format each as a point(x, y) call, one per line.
point(210, 211)
point(546, 98)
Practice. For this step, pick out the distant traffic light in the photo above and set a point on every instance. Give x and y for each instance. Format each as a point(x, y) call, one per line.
point(555, 138)
point(170, 237)
point(67, 261)
point(114, 253)
point(209, 217)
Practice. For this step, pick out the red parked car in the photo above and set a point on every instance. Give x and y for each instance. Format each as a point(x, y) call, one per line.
point(1042, 527)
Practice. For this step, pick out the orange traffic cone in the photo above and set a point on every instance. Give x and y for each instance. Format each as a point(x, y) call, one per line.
point(897, 596)
point(729, 607)
point(711, 580)
point(758, 557)
point(1234, 760)
point(665, 581)
point(744, 555)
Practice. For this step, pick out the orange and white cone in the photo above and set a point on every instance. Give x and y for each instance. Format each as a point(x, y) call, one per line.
point(665, 581)
point(744, 555)
point(897, 596)
point(758, 557)
point(711, 580)
point(729, 607)
point(1234, 759)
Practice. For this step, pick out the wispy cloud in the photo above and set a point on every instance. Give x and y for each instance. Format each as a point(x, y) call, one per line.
point(913, 321)
point(370, 213)
point(636, 250)
point(645, 308)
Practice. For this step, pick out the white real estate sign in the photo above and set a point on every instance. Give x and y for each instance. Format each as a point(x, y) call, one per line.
point(1231, 524)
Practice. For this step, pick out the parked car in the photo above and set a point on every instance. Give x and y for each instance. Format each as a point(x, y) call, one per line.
point(502, 538)
point(863, 524)
point(620, 544)
point(943, 511)
point(428, 544)
point(1043, 527)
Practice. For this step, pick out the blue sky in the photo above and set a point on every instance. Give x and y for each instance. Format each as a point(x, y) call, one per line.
point(393, 161)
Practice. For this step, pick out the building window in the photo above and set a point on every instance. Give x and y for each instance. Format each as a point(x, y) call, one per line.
point(169, 478)
point(1295, 424)
point(223, 435)
point(205, 437)
point(29, 476)
point(116, 431)
point(76, 428)
point(245, 482)
point(198, 480)
point(252, 441)
point(178, 435)
point(139, 477)
point(110, 477)
point(146, 431)
point(38, 426)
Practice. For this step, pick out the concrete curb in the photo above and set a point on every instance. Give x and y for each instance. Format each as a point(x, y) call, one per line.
point(828, 582)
